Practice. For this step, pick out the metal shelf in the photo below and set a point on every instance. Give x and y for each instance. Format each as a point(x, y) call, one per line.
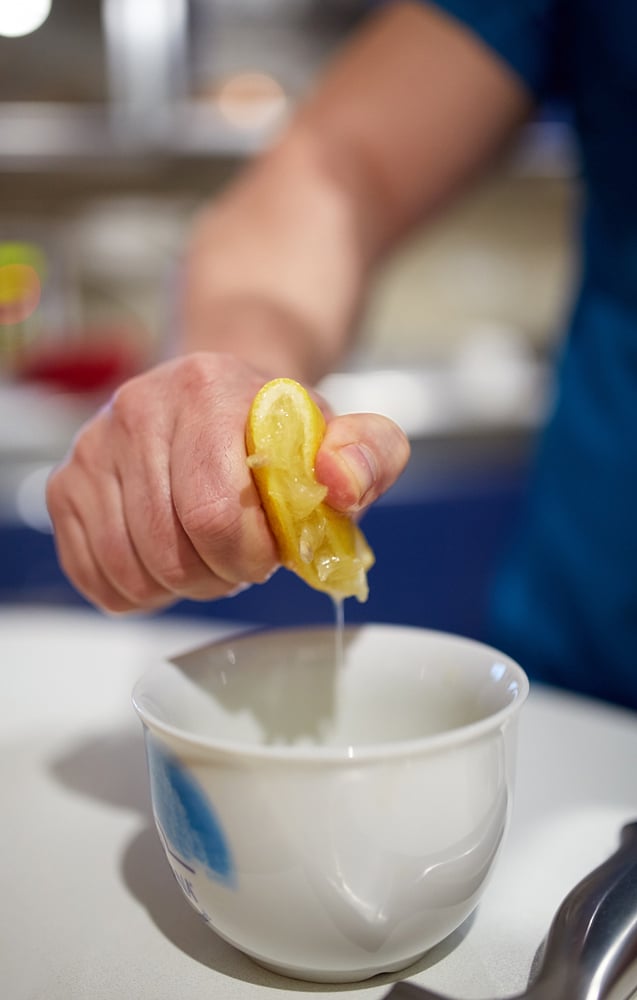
point(158, 99)
point(58, 136)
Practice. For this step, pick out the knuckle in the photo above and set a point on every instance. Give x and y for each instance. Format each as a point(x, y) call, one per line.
point(173, 575)
point(84, 451)
point(194, 373)
point(121, 568)
point(209, 377)
point(112, 554)
point(203, 366)
point(128, 408)
point(196, 366)
point(55, 493)
point(218, 520)
point(221, 534)
point(66, 517)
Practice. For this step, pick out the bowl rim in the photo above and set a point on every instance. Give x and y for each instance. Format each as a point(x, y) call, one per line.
point(459, 736)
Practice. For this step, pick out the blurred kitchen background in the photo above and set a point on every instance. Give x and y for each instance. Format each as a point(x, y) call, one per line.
point(117, 120)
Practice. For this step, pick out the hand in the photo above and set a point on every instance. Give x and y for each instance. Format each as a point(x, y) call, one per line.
point(156, 503)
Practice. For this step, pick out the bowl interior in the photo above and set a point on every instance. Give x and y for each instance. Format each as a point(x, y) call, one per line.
point(301, 688)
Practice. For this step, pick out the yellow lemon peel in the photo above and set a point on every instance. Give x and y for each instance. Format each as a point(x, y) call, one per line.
point(321, 545)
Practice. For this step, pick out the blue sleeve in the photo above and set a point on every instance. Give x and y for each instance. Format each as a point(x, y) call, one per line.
point(521, 32)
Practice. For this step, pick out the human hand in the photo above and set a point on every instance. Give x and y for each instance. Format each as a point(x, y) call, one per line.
point(156, 503)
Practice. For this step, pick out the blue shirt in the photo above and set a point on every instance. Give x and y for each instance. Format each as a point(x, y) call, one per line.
point(565, 604)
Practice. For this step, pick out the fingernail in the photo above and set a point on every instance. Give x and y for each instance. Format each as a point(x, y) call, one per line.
point(361, 463)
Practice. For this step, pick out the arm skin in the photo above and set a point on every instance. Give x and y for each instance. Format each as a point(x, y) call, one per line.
point(155, 501)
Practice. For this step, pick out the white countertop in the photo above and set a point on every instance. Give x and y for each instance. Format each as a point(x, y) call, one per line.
point(89, 907)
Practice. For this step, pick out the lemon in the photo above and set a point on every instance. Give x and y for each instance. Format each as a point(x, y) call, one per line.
point(321, 545)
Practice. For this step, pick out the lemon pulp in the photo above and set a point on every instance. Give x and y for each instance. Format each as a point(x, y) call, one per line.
point(321, 545)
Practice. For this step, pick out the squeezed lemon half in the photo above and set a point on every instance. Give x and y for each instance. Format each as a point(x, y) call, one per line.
point(324, 547)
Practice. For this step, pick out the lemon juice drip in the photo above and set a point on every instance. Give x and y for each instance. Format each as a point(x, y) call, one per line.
point(339, 625)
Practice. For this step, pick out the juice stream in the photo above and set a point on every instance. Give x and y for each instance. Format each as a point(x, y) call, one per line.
point(339, 624)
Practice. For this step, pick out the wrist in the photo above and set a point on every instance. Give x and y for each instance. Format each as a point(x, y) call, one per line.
point(262, 333)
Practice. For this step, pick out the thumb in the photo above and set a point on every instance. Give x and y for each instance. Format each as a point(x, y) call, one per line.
point(360, 457)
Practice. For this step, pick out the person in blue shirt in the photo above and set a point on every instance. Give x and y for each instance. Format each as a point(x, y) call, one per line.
point(566, 602)
point(155, 501)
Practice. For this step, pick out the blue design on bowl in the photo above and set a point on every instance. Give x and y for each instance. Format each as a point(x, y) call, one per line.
point(186, 817)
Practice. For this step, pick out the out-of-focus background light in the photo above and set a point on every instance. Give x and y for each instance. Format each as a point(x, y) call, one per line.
point(19, 292)
point(21, 17)
point(21, 270)
point(251, 99)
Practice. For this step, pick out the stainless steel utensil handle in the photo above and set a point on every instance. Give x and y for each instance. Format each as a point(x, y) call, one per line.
point(590, 952)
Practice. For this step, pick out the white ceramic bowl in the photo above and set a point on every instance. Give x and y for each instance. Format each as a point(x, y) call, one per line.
point(333, 820)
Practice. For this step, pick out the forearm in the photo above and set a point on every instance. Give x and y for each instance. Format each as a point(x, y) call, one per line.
point(411, 110)
point(276, 269)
